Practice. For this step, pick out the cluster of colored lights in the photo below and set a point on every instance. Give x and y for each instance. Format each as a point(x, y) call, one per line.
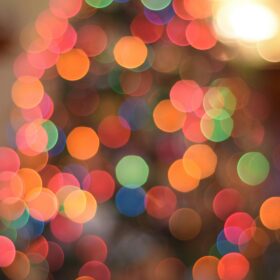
point(119, 111)
point(238, 23)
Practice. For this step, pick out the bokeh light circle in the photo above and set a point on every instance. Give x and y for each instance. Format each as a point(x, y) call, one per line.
point(13, 163)
point(236, 224)
point(269, 213)
point(186, 95)
point(100, 184)
point(27, 92)
point(156, 5)
point(167, 118)
point(99, 3)
point(205, 268)
point(233, 266)
point(130, 202)
point(203, 156)
point(114, 131)
point(132, 171)
point(253, 168)
point(73, 65)
point(160, 202)
point(7, 251)
point(180, 179)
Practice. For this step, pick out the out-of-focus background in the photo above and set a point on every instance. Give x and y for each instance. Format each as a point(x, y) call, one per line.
point(138, 242)
point(14, 16)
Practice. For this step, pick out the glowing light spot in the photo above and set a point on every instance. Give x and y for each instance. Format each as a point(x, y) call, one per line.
point(64, 43)
point(269, 213)
point(42, 204)
point(205, 268)
point(52, 133)
point(233, 266)
point(62, 194)
point(130, 202)
point(82, 143)
point(27, 92)
point(32, 138)
point(216, 129)
point(7, 251)
point(160, 202)
point(179, 179)
point(99, 3)
point(186, 95)
point(65, 8)
point(236, 224)
point(12, 164)
point(253, 168)
point(204, 157)
point(101, 184)
point(146, 30)
point(132, 171)
point(114, 131)
point(65, 230)
point(130, 52)
point(219, 99)
point(198, 8)
point(61, 179)
point(156, 5)
point(49, 26)
point(248, 21)
point(73, 65)
point(200, 35)
point(167, 118)
point(80, 206)
point(191, 129)
point(179, 9)
point(11, 185)
point(176, 31)
point(226, 202)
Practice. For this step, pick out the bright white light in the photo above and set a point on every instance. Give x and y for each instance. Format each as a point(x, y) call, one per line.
point(246, 20)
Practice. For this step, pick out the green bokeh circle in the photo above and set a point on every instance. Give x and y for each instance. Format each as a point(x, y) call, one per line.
point(156, 5)
point(253, 168)
point(52, 133)
point(132, 171)
point(217, 129)
point(99, 3)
